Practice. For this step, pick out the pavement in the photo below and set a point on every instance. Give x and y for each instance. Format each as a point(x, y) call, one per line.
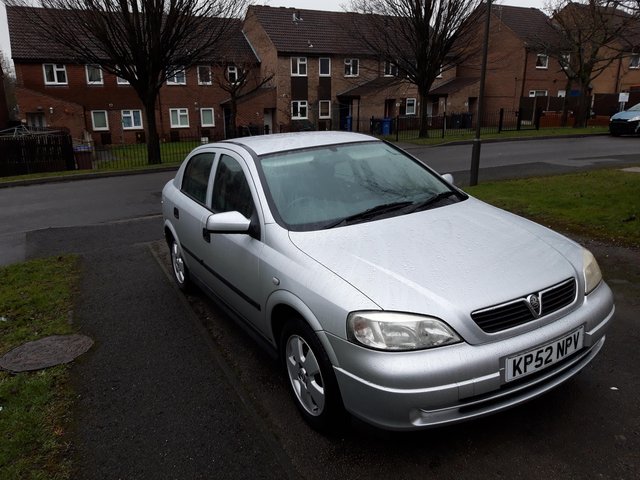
point(153, 399)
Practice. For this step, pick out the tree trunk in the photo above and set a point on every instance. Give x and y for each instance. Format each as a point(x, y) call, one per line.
point(584, 108)
point(424, 118)
point(233, 114)
point(153, 139)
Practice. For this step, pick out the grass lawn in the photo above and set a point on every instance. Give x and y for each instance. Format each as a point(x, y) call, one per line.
point(36, 300)
point(603, 204)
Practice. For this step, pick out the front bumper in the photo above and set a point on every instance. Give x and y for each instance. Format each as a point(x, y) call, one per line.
point(623, 127)
point(413, 390)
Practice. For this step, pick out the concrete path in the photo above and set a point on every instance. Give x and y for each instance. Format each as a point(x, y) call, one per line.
point(153, 399)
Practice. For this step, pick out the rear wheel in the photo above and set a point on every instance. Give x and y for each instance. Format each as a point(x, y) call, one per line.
point(314, 387)
point(179, 267)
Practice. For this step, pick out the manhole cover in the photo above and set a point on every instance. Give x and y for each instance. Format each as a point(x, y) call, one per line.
point(46, 352)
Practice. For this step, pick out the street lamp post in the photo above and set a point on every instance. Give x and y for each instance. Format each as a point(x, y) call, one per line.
point(475, 153)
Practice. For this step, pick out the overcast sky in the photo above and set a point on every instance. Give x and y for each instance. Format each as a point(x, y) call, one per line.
point(333, 5)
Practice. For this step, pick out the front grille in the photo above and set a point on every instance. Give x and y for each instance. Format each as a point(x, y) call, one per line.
point(518, 311)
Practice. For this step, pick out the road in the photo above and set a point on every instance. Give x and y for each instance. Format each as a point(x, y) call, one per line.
point(588, 428)
point(99, 201)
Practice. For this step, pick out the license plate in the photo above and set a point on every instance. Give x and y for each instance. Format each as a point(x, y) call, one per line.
point(541, 357)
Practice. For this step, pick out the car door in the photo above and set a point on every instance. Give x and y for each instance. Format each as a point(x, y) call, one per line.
point(232, 259)
point(190, 209)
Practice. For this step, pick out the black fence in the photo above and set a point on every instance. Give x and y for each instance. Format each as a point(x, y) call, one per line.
point(37, 152)
point(451, 125)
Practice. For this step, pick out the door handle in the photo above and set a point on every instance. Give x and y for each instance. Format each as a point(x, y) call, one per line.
point(176, 212)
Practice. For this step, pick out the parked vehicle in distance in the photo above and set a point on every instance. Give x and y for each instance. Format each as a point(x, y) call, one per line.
point(385, 290)
point(626, 122)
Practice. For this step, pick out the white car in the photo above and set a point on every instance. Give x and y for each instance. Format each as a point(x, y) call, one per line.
point(386, 291)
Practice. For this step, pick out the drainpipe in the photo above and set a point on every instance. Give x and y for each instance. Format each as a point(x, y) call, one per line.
point(524, 71)
point(617, 89)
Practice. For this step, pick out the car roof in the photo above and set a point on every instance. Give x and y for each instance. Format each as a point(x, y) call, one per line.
point(280, 142)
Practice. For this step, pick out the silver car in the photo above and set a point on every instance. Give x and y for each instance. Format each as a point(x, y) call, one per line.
point(387, 292)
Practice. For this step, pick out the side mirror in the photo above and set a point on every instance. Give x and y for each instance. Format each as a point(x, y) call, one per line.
point(448, 178)
point(228, 222)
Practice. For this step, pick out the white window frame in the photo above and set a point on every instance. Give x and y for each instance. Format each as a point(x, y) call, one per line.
point(544, 65)
point(296, 66)
point(93, 120)
point(232, 74)
point(534, 93)
point(179, 77)
point(130, 114)
point(324, 102)
point(349, 67)
point(440, 71)
point(320, 67)
point(97, 68)
point(634, 61)
point(413, 103)
point(301, 104)
point(180, 112)
point(213, 117)
point(390, 69)
point(56, 70)
point(200, 80)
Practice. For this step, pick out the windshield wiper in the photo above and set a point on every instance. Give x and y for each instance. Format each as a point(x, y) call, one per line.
point(369, 213)
point(432, 201)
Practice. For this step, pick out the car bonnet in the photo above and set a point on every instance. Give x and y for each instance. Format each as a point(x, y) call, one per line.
point(445, 262)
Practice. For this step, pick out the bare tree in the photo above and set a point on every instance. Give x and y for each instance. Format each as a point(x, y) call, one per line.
point(422, 37)
point(8, 79)
point(141, 41)
point(592, 35)
point(239, 79)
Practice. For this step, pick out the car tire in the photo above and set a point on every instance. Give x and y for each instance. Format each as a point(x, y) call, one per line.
point(179, 270)
point(311, 379)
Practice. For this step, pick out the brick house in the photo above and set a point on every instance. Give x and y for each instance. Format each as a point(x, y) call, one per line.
point(53, 90)
point(515, 66)
point(324, 77)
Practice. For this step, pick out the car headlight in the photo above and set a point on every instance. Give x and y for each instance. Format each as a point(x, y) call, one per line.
point(634, 119)
point(590, 271)
point(398, 331)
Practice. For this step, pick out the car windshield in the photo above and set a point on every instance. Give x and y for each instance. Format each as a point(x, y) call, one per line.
point(339, 185)
point(635, 108)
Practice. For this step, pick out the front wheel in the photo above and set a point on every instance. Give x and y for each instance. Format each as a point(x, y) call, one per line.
point(313, 383)
point(179, 267)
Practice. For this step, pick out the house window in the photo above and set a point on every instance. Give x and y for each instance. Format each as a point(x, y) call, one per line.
point(635, 61)
point(204, 75)
point(537, 93)
point(440, 70)
point(207, 119)
point(54, 74)
point(178, 77)
point(298, 66)
point(390, 69)
point(122, 81)
point(131, 119)
point(232, 74)
point(94, 75)
point(179, 117)
point(542, 60)
point(325, 67)
point(411, 106)
point(299, 109)
point(351, 67)
point(100, 120)
point(324, 109)
point(562, 93)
